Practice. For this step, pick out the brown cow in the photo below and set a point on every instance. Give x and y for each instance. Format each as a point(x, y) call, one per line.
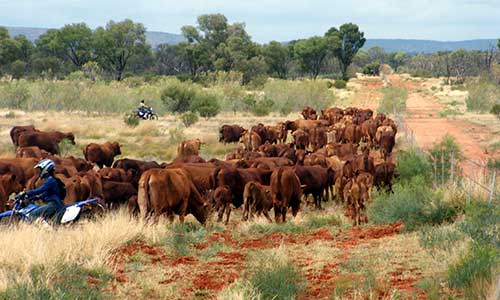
point(309, 113)
point(231, 133)
point(386, 142)
point(222, 200)
point(318, 138)
point(269, 163)
point(170, 191)
point(316, 181)
point(272, 134)
point(256, 199)
point(352, 134)
point(332, 115)
point(113, 174)
point(369, 129)
point(300, 139)
point(102, 155)
point(16, 131)
point(282, 132)
point(261, 130)
point(48, 141)
point(251, 141)
point(189, 147)
point(116, 193)
point(8, 185)
point(352, 197)
point(137, 167)
point(31, 152)
point(285, 193)
point(25, 167)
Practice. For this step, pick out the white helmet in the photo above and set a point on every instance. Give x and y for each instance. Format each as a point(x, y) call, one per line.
point(45, 165)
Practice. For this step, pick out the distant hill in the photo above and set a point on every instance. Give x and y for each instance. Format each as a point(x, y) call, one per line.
point(390, 45)
point(154, 38)
point(428, 46)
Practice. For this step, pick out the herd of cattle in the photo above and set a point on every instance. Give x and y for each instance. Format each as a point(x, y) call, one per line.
point(340, 154)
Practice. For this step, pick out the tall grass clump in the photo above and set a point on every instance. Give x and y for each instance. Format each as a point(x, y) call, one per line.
point(393, 100)
point(291, 96)
point(182, 236)
point(67, 282)
point(274, 277)
point(414, 203)
point(476, 269)
point(483, 95)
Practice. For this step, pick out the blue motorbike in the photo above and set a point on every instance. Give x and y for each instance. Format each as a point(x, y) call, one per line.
point(24, 205)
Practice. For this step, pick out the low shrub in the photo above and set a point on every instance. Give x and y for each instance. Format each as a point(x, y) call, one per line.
point(483, 95)
point(273, 277)
point(189, 118)
point(495, 110)
point(206, 105)
point(179, 96)
point(411, 163)
point(71, 282)
point(474, 271)
point(263, 107)
point(413, 203)
point(372, 69)
point(340, 84)
point(131, 120)
point(10, 115)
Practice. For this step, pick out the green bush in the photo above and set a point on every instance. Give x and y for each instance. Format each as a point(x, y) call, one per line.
point(411, 163)
point(179, 96)
point(495, 110)
point(372, 69)
point(473, 272)
point(413, 203)
point(329, 84)
point(15, 95)
point(393, 101)
point(70, 282)
point(189, 118)
point(131, 120)
point(340, 84)
point(482, 95)
point(275, 279)
point(263, 107)
point(206, 105)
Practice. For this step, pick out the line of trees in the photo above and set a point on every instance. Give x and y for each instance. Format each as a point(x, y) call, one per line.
point(120, 48)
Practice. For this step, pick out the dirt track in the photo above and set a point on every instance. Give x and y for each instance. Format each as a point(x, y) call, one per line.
point(428, 127)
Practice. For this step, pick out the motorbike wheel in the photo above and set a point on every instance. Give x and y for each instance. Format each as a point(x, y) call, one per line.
point(153, 117)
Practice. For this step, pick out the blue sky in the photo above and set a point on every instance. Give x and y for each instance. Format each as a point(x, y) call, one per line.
point(275, 19)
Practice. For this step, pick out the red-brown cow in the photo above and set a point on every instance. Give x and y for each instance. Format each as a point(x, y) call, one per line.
point(102, 155)
point(285, 193)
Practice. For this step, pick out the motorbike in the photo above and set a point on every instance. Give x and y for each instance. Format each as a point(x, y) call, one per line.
point(146, 113)
point(24, 205)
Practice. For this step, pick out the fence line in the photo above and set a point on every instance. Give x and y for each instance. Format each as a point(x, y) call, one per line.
point(480, 178)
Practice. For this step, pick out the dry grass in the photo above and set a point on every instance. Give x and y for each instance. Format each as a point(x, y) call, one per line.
point(88, 244)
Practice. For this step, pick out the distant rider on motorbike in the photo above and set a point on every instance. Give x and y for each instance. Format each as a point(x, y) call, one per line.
point(51, 192)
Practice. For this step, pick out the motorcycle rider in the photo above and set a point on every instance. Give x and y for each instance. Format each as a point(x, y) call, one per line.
point(51, 192)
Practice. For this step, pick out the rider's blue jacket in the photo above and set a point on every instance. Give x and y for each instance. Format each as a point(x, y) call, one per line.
point(49, 191)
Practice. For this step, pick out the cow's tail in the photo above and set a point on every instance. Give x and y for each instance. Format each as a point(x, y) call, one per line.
point(85, 153)
point(280, 174)
point(144, 197)
point(213, 179)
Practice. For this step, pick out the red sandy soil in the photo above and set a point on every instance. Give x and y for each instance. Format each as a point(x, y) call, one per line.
point(206, 279)
point(423, 119)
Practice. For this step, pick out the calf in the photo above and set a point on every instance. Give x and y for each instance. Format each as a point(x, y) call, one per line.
point(256, 198)
point(102, 155)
